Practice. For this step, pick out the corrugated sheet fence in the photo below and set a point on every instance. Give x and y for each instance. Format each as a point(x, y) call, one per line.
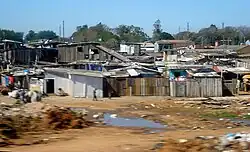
point(198, 87)
point(139, 86)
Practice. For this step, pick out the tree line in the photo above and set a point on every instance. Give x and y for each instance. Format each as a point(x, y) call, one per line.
point(111, 37)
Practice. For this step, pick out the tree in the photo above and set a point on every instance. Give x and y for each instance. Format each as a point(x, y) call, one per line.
point(131, 33)
point(159, 34)
point(186, 35)
point(157, 30)
point(31, 36)
point(166, 36)
point(11, 35)
point(46, 35)
point(99, 32)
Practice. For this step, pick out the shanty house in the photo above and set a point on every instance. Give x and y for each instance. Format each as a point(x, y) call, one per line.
point(198, 83)
point(171, 44)
point(90, 51)
point(76, 83)
point(130, 48)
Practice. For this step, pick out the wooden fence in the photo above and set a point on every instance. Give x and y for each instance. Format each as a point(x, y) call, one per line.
point(198, 87)
point(137, 86)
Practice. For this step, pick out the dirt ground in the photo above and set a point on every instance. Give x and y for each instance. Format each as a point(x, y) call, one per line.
point(183, 121)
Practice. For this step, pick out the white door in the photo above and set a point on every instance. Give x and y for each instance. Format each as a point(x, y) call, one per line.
point(79, 87)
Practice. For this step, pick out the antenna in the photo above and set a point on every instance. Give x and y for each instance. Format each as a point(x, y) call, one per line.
point(188, 26)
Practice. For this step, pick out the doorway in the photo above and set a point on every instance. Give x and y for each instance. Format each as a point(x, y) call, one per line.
point(50, 85)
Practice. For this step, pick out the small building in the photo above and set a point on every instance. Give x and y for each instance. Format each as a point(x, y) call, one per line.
point(147, 47)
point(76, 83)
point(171, 44)
point(170, 55)
point(130, 48)
point(16, 53)
point(90, 51)
point(187, 82)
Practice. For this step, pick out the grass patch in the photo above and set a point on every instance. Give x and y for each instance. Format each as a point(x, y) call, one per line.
point(223, 114)
point(246, 117)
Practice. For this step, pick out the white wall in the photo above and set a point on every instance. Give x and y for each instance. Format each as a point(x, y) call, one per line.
point(78, 85)
point(129, 49)
point(83, 86)
point(61, 82)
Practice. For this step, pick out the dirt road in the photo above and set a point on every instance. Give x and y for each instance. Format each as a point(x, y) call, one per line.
point(183, 121)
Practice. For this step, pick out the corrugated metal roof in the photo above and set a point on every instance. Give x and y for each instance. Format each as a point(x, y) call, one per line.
point(173, 41)
point(76, 72)
point(79, 44)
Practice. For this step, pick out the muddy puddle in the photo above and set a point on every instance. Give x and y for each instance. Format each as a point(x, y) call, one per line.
point(245, 122)
point(113, 120)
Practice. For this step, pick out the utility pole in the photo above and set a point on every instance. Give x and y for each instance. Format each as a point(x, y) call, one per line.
point(202, 42)
point(63, 29)
point(223, 32)
point(60, 32)
point(188, 26)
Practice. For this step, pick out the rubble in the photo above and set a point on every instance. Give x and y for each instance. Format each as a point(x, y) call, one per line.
point(65, 119)
point(228, 142)
point(18, 119)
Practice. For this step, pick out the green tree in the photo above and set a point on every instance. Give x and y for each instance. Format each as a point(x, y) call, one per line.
point(11, 35)
point(157, 30)
point(159, 34)
point(31, 36)
point(166, 36)
point(131, 33)
point(46, 35)
point(100, 33)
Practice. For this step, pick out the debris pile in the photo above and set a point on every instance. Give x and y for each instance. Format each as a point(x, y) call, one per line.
point(229, 142)
point(26, 96)
point(60, 118)
point(16, 120)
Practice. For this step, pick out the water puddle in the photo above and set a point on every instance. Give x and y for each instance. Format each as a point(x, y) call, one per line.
point(241, 121)
point(112, 120)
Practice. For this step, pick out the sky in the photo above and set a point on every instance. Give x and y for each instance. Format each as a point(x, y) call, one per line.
point(25, 15)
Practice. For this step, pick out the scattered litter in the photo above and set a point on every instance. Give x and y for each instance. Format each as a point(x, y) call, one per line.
point(113, 116)
point(228, 142)
point(152, 105)
point(182, 140)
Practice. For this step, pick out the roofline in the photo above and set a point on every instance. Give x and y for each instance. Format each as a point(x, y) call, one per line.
point(78, 44)
point(76, 72)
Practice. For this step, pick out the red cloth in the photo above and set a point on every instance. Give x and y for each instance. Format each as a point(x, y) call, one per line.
point(11, 79)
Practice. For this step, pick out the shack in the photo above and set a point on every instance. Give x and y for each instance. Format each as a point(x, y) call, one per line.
point(91, 51)
point(76, 83)
point(198, 83)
